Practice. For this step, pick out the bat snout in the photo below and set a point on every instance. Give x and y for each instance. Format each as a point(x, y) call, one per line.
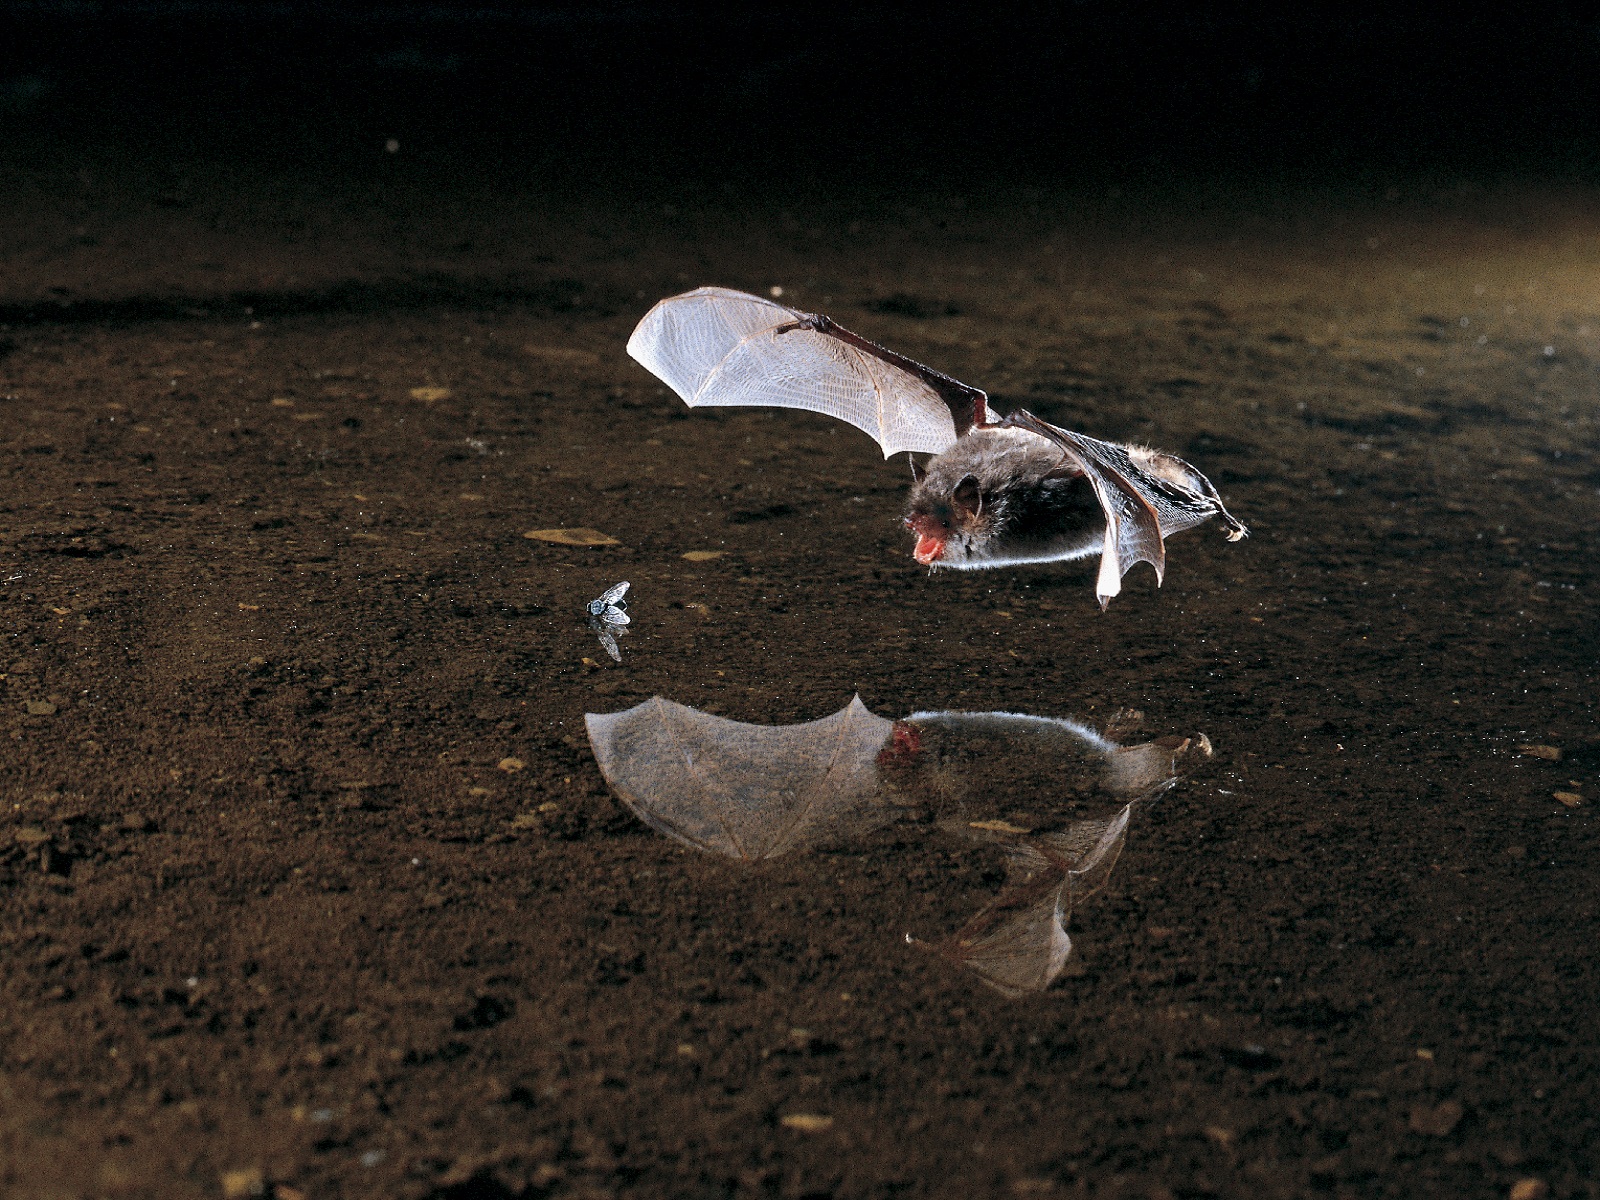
point(932, 536)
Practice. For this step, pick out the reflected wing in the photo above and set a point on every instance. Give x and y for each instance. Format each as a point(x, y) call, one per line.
point(746, 791)
point(715, 346)
point(1025, 951)
point(1145, 495)
point(1092, 870)
point(1019, 944)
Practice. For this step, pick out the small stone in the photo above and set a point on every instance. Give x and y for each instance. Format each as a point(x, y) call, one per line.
point(284, 1192)
point(703, 555)
point(1439, 1121)
point(40, 708)
point(31, 835)
point(1548, 753)
point(577, 536)
point(1570, 799)
point(430, 394)
point(1529, 1189)
point(282, 402)
point(807, 1122)
point(248, 1181)
point(526, 820)
point(511, 765)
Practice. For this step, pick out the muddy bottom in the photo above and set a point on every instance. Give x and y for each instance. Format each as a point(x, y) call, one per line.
point(311, 884)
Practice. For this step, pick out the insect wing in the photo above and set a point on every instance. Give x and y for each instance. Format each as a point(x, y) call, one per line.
point(612, 596)
point(615, 616)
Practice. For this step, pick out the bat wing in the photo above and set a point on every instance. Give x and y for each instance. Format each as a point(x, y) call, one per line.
point(745, 791)
point(1146, 495)
point(1022, 953)
point(1018, 943)
point(715, 346)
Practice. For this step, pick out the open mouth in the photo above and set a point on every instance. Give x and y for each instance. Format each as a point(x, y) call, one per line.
point(929, 549)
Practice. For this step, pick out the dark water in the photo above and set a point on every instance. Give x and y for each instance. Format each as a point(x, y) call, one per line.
point(312, 884)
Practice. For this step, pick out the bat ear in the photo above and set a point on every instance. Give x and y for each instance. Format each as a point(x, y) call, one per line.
point(967, 498)
point(919, 471)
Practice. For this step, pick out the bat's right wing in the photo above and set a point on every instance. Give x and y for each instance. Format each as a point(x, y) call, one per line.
point(1145, 496)
point(716, 346)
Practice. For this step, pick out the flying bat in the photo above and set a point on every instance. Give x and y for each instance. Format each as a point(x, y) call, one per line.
point(997, 493)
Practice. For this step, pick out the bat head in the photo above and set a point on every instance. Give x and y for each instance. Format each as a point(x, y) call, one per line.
point(946, 522)
point(964, 505)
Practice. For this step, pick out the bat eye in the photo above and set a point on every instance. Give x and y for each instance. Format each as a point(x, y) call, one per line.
point(967, 498)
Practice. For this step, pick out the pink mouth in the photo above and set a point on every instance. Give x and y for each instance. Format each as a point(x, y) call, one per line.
point(929, 550)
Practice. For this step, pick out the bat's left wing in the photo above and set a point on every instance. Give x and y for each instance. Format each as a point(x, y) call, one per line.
point(716, 346)
point(1145, 494)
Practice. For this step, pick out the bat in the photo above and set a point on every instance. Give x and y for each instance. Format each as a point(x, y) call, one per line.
point(755, 792)
point(997, 493)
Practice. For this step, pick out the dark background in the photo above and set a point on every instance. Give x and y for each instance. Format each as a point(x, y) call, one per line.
point(660, 94)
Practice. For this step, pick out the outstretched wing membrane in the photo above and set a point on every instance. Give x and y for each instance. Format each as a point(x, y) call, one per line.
point(719, 347)
point(1145, 494)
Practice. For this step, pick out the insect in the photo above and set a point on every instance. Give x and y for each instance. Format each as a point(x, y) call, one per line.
point(610, 606)
point(608, 618)
point(997, 493)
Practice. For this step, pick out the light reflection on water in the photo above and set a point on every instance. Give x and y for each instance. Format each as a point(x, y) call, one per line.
point(1053, 797)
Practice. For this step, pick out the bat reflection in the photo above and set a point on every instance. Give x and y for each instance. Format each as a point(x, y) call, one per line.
point(1053, 796)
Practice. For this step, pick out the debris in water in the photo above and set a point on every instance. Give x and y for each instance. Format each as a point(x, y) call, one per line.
point(807, 1122)
point(1008, 782)
point(1548, 753)
point(1437, 1121)
point(577, 536)
point(244, 1182)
